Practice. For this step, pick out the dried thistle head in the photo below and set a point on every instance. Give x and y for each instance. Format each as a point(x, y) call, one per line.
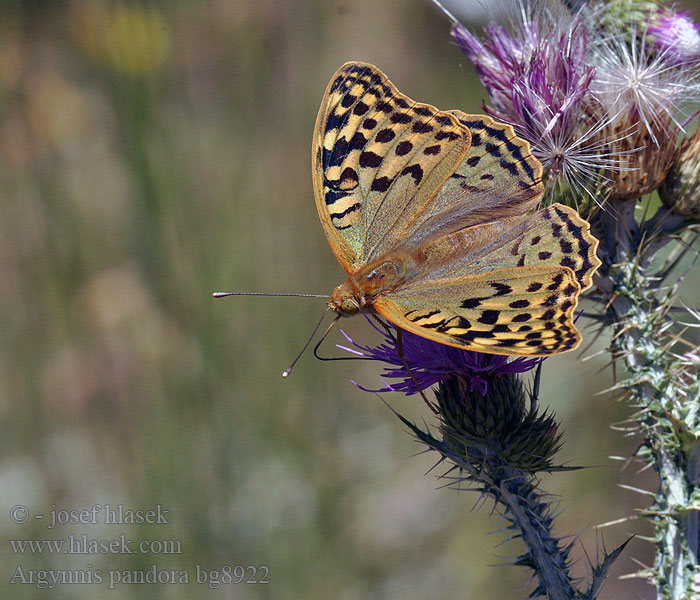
point(642, 165)
point(681, 189)
point(642, 83)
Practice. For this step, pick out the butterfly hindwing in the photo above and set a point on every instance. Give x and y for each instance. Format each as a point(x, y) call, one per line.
point(506, 311)
point(378, 156)
point(513, 284)
point(554, 236)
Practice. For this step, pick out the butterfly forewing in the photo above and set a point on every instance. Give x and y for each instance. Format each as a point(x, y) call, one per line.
point(378, 157)
point(499, 178)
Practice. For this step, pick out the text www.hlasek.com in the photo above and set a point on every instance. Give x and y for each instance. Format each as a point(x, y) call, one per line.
point(81, 544)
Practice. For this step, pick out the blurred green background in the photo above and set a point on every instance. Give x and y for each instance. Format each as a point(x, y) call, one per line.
point(151, 153)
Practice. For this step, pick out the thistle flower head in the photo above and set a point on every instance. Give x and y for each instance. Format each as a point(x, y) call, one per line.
point(538, 80)
point(497, 425)
point(676, 34)
point(646, 89)
point(639, 85)
point(431, 363)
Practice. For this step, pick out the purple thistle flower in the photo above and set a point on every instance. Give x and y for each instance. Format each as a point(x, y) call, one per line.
point(538, 81)
point(677, 34)
point(432, 362)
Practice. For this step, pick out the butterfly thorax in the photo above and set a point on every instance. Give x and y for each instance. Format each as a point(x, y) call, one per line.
point(360, 290)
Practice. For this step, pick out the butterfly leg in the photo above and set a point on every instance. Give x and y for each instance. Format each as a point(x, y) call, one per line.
point(399, 347)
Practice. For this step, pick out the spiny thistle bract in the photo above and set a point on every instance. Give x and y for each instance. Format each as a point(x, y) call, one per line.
point(497, 425)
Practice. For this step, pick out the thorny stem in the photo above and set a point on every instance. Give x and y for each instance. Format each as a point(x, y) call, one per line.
point(665, 392)
point(497, 445)
point(531, 516)
point(525, 506)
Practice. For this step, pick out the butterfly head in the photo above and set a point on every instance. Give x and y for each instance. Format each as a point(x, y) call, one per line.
point(345, 301)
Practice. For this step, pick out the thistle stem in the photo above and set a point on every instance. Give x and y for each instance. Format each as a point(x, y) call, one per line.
point(663, 390)
point(498, 444)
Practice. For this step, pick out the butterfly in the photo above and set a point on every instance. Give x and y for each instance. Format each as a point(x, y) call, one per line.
point(430, 213)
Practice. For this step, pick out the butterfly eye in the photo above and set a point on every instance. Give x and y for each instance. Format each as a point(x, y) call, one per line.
point(349, 306)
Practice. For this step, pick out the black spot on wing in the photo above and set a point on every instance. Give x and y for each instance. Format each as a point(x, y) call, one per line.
point(567, 261)
point(333, 195)
point(357, 142)
point(519, 304)
point(502, 289)
point(551, 300)
point(360, 108)
point(339, 152)
point(385, 136)
point(348, 100)
point(509, 166)
point(415, 171)
point(471, 336)
point(446, 135)
point(347, 211)
point(472, 161)
point(403, 148)
point(489, 317)
point(370, 159)
point(348, 179)
point(381, 184)
point(335, 121)
point(421, 127)
point(422, 111)
point(556, 281)
point(420, 317)
point(472, 302)
point(493, 149)
point(402, 118)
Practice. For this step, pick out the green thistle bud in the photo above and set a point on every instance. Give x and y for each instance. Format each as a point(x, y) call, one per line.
point(625, 16)
point(497, 427)
point(681, 190)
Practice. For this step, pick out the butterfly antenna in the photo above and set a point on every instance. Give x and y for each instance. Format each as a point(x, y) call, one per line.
point(286, 373)
point(224, 294)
